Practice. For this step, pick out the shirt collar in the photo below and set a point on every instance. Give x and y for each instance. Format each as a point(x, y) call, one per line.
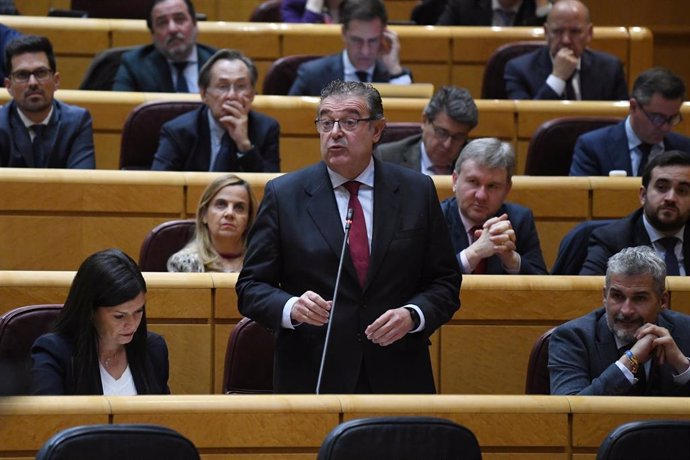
point(633, 140)
point(193, 58)
point(366, 177)
point(28, 123)
point(655, 235)
point(426, 161)
point(350, 69)
point(217, 130)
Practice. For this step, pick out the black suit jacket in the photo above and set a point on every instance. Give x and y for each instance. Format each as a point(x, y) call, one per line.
point(294, 246)
point(146, 69)
point(313, 76)
point(606, 149)
point(68, 139)
point(185, 144)
point(582, 355)
point(52, 372)
point(601, 76)
point(405, 152)
point(479, 13)
point(624, 233)
point(526, 242)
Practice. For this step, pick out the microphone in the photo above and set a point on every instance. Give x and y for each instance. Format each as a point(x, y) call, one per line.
point(348, 224)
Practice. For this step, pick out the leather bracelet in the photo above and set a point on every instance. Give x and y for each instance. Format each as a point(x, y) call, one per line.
point(416, 320)
point(634, 364)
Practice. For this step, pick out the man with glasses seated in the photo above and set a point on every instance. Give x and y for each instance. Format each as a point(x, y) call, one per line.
point(371, 54)
point(490, 236)
point(37, 131)
point(655, 105)
point(448, 119)
point(224, 134)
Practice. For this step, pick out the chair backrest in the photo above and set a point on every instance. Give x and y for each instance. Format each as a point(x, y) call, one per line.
point(117, 442)
point(142, 129)
point(283, 72)
point(267, 11)
point(550, 150)
point(648, 440)
point(537, 381)
point(100, 75)
point(493, 84)
point(162, 242)
point(400, 438)
point(249, 359)
point(116, 9)
point(19, 328)
point(399, 130)
point(572, 251)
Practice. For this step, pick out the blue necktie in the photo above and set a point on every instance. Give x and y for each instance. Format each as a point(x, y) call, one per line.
point(181, 86)
point(669, 245)
point(37, 147)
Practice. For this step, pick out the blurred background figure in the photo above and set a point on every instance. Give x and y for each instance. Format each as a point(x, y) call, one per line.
point(319, 11)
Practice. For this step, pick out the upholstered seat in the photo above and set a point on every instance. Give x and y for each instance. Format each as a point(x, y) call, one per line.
point(493, 83)
point(572, 252)
point(267, 11)
point(283, 72)
point(648, 440)
point(399, 130)
point(249, 359)
point(537, 381)
point(162, 242)
point(100, 75)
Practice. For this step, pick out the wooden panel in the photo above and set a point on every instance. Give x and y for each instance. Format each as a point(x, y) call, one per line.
point(550, 236)
point(547, 196)
point(614, 197)
point(107, 149)
point(468, 76)
point(220, 344)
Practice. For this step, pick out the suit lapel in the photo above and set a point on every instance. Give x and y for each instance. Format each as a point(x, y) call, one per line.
point(160, 71)
point(607, 351)
point(22, 140)
point(51, 133)
point(412, 155)
point(585, 77)
point(618, 142)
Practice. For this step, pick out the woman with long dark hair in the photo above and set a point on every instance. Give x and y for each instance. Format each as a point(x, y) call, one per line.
point(100, 345)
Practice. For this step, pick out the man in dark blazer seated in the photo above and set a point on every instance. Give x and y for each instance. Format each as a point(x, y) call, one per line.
point(661, 222)
point(448, 119)
point(655, 105)
point(564, 68)
point(489, 235)
point(172, 62)
point(634, 345)
point(224, 134)
point(371, 54)
point(399, 279)
point(36, 130)
point(498, 13)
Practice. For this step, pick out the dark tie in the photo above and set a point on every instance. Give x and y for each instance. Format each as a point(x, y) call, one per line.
point(506, 17)
point(640, 388)
point(181, 80)
point(37, 146)
point(225, 160)
point(669, 245)
point(358, 242)
point(362, 75)
point(480, 269)
point(569, 89)
point(645, 149)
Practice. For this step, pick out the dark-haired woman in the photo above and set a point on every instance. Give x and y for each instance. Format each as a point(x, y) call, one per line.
point(100, 345)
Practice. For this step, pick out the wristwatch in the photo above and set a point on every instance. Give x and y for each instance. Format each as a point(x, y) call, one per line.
point(416, 321)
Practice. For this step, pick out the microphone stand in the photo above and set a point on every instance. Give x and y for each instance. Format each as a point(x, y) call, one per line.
point(348, 223)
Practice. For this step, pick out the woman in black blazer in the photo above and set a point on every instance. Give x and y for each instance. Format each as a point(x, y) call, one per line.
point(100, 344)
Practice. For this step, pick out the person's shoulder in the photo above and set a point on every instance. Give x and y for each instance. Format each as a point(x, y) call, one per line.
point(524, 61)
point(53, 342)
point(585, 323)
point(263, 119)
point(187, 119)
point(678, 142)
point(600, 133)
point(400, 143)
point(138, 53)
point(602, 57)
point(186, 260)
point(676, 318)
point(70, 110)
point(514, 209)
point(448, 204)
point(618, 227)
point(317, 64)
point(403, 174)
point(155, 340)
point(206, 50)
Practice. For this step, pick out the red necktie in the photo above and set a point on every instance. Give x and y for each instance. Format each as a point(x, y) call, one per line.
point(480, 269)
point(358, 242)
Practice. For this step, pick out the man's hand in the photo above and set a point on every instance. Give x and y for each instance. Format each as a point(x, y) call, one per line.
point(390, 52)
point(390, 327)
point(235, 119)
point(564, 63)
point(496, 237)
point(311, 308)
point(666, 348)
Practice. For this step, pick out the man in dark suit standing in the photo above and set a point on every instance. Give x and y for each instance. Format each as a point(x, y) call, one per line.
point(172, 62)
point(661, 222)
point(36, 130)
point(564, 68)
point(632, 346)
point(448, 119)
point(399, 280)
point(371, 54)
point(498, 13)
point(654, 111)
point(489, 235)
point(224, 134)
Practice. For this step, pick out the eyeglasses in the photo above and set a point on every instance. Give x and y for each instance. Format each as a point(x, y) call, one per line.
point(658, 120)
point(225, 88)
point(442, 135)
point(346, 124)
point(41, 74)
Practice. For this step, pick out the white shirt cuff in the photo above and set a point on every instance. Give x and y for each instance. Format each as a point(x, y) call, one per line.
point(556, 84)
point(628, 375)
point(682, 379)
point(422, 321)
point(285, 321)
point(401, 80)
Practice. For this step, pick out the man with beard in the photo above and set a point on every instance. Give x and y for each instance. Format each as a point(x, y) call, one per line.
point(171, 64)
point(37, 131)
point(632, 346)
point(660, 223)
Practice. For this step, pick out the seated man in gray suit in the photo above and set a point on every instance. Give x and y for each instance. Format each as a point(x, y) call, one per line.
point(657, 97)
point(661, 222)
point(36, 130)
point(371, 52)
point(634, 345)
point(448, 119)
point(171, 63)
point(224, 134)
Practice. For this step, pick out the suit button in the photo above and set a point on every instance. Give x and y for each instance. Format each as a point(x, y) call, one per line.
point(359, 337)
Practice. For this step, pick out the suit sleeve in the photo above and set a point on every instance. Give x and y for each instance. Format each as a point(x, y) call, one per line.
point(516, 87)
point(124, 78)
point(158, 357)
point(531, 257)
point(450, 15)
point(569, 367)
point(170, 155)
point(47, 369)
point(598, 253)
point(295, 11)
point(265, 156)
point(300, 87)
point(81, 155)
point(620, 92)
point(585, 162)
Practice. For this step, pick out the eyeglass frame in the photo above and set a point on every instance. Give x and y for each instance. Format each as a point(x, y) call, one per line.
point(357, 121)
point(442, 134)
point(658, 120)
point(49, 73)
